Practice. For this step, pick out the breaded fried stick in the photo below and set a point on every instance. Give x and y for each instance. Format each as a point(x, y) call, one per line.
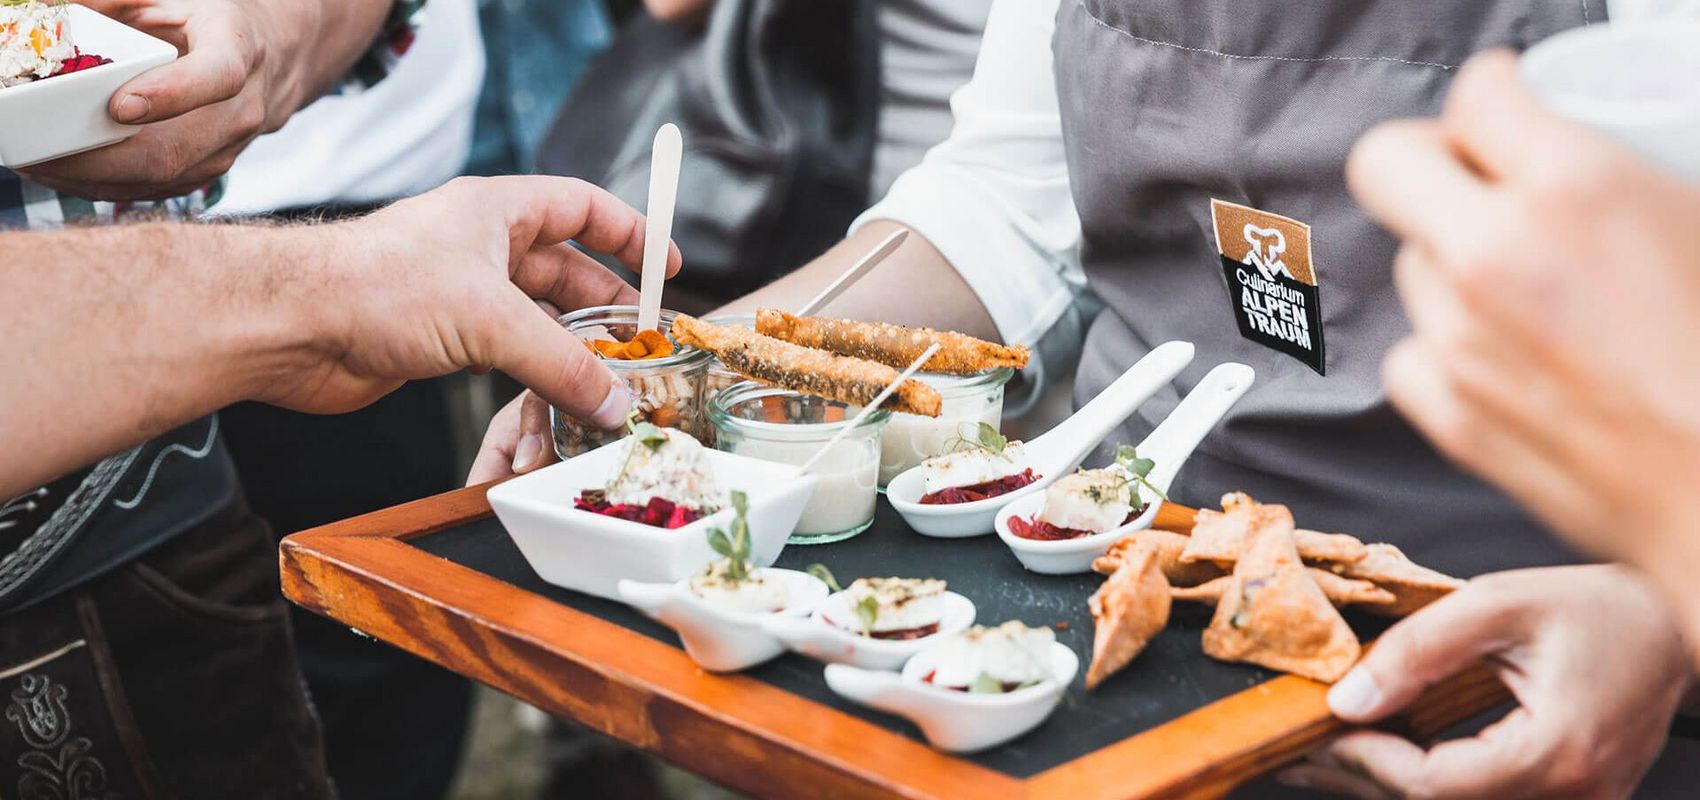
point(800, 369)
point(891, 345)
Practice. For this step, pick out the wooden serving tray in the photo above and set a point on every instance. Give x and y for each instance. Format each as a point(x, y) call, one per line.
point(440, 578)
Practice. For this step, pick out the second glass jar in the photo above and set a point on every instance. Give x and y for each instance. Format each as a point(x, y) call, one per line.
point(789, 428)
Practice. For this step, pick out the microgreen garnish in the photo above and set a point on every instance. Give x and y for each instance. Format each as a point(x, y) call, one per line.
point(736, 547)
point(985, 438)
point(868, 611)
point(1128, 459)
point(644, 433)
point(825, 575)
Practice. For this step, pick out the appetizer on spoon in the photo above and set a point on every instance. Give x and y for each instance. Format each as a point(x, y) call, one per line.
point(1049, 457)
point(876, 623)
point(971, 691)
point(1077, 518)
point(718, 613)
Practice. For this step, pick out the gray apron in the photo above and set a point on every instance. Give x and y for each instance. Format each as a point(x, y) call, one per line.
point(1169, 105)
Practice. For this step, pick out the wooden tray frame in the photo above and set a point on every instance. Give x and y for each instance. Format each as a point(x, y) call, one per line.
point(749, 735)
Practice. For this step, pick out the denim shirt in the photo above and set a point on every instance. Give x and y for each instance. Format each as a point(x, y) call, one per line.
point(537, 49)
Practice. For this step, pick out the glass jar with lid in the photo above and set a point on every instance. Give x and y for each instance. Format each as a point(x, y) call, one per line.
point(789, 428)
point(669, 390)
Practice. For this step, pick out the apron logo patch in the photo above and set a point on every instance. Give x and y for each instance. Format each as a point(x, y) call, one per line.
point(1271, 281)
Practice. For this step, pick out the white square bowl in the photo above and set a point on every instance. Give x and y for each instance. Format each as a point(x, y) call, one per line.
point(55, 117)
point(590, 553)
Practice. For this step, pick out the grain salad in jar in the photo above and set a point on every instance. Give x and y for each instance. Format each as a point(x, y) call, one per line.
point(666, 379)
point(720, 376)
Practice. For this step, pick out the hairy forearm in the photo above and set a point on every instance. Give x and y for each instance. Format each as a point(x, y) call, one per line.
point(913, 286)
point(112, 335)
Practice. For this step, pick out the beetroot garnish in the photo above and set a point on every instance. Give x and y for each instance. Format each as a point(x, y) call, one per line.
point(1042, 531)
point(78, 63)
point(907, 634)
point(658, 512)
point(979, 491)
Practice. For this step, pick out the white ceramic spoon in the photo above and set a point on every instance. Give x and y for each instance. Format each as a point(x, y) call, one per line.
point(717, 639)
point(1050, 456)
point(1170, 444)
point(959, 722)
point(821, 637)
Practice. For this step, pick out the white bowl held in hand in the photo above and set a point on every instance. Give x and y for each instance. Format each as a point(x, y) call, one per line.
point(1050, 456)
point(1169, 445)
point(820, 637)
point(717, 639)
point(590, 552)
point(959, 722)
point(56, 117)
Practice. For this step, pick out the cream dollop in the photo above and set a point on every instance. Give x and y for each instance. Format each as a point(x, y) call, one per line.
point(1095, 500)
point(755, 594)
point(970, 467)
point(1011, 654)
point(35, 38)
point(901, 604)
point(676, 469)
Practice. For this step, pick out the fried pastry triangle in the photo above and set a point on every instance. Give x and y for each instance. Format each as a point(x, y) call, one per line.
point(1129, 610)
point(1272, 613)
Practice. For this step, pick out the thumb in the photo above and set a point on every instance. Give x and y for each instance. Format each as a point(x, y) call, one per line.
point(214, 68)
point(1437, 642)
point(536, 351)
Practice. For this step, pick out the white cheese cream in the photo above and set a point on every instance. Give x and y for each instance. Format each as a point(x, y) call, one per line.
point(755, 594)
point(34, 40)
point(904, 604)
point(1010, 654)
point(1095, 500)
point(971, 467)
point(675, 470)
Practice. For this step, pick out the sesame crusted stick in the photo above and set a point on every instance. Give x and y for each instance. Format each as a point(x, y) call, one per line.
point(892, 345)
point(801, 369)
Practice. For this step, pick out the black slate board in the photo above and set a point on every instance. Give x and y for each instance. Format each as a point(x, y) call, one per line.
point(1171, 678)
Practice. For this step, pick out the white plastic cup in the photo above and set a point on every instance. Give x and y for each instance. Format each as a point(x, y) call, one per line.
point(1638, 83)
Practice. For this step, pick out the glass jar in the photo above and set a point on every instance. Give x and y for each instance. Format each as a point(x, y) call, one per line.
point(789, 428)
point(968, 400)
point(720, 376)
point(668, 390)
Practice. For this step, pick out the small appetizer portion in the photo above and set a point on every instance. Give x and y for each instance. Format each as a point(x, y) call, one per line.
point(664, 480)
point(733, 583)
point(1090, 501)
point(645, 344)
point(1276, 607)
point(1220, 536)
point(899, 609)
point(35, 43)
point(996, 660)
point(802, 369)
point(1128, 611)
point(892, 345)
point(1411, 585)
point(1273, 614)
point(988, 466)
point(1167, 546)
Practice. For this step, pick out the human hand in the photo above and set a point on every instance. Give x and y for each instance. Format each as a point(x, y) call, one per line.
point(1552, 279)
point(449, 280)
point(246, 66)
point(517, 441)
point(1591, 655)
